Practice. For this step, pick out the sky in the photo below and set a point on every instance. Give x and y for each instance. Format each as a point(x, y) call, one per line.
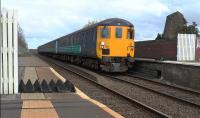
point(46, 20)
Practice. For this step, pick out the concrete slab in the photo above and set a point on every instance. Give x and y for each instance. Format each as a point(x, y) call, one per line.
point(11, 109)
point(10, 97)
point(82, 109)
point(64, 96)
point(45, 73)
point(32, 96)
point(21, 71)
point(30, 74)
point(170, 62)
point(32, 61)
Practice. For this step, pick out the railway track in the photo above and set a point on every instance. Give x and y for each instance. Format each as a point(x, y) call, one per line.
point(154, 100)
point(143, 108)
point(163, 84)
point(179, 94)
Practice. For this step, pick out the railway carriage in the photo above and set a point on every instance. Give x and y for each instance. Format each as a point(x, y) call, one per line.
point(107, 45)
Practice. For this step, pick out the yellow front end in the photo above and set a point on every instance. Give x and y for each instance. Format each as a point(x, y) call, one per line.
point(116, 41)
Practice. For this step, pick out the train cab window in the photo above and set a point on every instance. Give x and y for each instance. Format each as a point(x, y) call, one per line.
point(118, 32)
point(105, 32)
point(130, 33)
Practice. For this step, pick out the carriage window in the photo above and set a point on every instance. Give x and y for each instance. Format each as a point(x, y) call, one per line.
point(118, 33)
point(105, 33)
point(130, 33)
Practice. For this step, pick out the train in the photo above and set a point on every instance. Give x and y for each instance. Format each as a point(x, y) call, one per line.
point(108, 46)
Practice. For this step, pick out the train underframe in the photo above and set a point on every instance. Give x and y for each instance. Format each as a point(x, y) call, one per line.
point(107, 64)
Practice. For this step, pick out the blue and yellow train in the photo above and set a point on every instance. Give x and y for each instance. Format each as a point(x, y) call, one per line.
point(108, 45)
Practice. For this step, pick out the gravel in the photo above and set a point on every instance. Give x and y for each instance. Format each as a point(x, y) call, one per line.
point(195, 98)
point(164, 104)
point(125, 108)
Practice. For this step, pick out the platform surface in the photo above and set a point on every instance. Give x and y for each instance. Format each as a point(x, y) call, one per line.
point(187, 63)
point(49, 105)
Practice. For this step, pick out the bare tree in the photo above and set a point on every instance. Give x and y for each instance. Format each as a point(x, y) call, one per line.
point(90, 23)
point(23, 47)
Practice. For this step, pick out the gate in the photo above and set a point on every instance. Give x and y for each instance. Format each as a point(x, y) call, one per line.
point(9, 53)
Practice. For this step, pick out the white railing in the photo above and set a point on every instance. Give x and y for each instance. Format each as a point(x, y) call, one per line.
point(9, 53)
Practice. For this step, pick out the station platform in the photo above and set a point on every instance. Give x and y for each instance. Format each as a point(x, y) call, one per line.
point(184, 74)
point(189, 63)
point(50, 105)
point(53, 105)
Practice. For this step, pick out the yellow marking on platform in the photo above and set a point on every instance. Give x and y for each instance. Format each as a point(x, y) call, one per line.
point(84, 96)
point(102, 106)
point(38, 109)
point(39, 113)
point(58, 75)
point(37, 104)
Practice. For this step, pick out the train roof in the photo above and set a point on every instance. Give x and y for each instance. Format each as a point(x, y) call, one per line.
point(107, 22)
point(115, 22)
point(111, 22)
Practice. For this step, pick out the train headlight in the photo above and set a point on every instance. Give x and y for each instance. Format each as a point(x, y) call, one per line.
point(102, 45)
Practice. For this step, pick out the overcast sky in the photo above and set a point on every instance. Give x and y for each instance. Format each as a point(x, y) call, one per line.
point(45, 20)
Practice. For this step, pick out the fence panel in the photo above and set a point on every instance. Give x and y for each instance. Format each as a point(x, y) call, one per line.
point(186, 47)
point(198, 49)
point(9, 59)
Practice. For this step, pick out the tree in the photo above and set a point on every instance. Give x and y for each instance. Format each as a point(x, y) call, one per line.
point(90, 23)
point(190, 29)
point(159, 36)
point(22, 45)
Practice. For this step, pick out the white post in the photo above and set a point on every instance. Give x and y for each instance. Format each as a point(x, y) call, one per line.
point(15, 41)
point(1, 55)
point(5, 69)
point(10, 52)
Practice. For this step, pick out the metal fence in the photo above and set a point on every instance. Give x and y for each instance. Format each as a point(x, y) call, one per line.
point(9, 53)
point(186, 47)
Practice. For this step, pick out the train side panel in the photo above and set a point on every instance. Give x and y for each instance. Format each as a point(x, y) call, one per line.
point(79, 44)
point(48, 48)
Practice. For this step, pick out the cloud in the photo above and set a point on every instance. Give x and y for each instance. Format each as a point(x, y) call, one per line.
point(45, 20)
